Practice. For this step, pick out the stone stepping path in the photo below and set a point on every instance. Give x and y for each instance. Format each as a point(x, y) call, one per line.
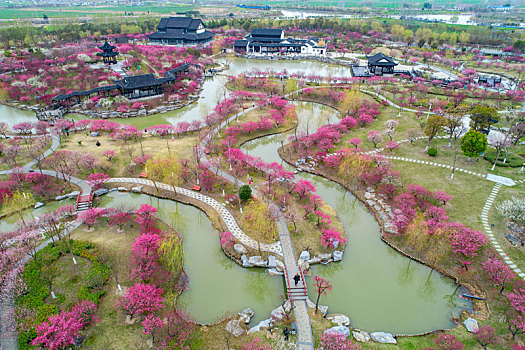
point(226, 216)
point(425, 162)
point(488, 231)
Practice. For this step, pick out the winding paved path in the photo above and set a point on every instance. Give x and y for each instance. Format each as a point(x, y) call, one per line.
point(304, 329)
point(226, 216)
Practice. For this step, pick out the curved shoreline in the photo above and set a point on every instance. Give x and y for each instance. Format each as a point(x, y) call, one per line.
point(381, 225)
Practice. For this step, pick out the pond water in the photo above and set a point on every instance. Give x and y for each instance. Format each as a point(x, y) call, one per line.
point(13, 116)
point(9, 224)
point(216, 286)
point(378, 288)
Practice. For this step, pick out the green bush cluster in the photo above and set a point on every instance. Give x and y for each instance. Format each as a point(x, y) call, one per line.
point(37, 291)
point(512, 161)
point(432, 152)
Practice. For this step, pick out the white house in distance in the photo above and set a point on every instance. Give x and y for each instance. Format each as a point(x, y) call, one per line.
point(271, 42)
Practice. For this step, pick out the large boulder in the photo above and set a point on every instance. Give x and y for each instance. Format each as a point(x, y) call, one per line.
point(305, 255)
point(340, 320)
point(38, 205)
point(239, 248)
point(273, 271)
point(137, 189)
point(471, 325)
point(246, 314)
point(279, 265)
point(383, 337)
point(339, 330)
point(314, 260)
point(234, 328)
point(361, 336)
point(278, 314)
point(263, 324)
point(73, 194)
point(100, 192)
point(338, 255)
point(257, 260)
point(245, 261)
point(325, 257)
point(59, 198)
point(272, 262)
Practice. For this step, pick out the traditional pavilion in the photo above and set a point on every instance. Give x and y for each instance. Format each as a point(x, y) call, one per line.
point(181, 31)
point(380, 64)
point(135, 86)
point(269, 41)
point(109, 53)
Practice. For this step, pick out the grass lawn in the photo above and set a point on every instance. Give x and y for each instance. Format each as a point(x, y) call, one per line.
point(112, 332)
point(153, 145)
point(138, 122)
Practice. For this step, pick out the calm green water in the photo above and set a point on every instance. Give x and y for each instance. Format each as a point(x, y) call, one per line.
point(13, 116)
point(9, 224)
point(378, 288)
point(216, 285)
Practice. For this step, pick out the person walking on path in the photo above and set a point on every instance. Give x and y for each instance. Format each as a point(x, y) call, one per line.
point(296, 278)
point(286, 332)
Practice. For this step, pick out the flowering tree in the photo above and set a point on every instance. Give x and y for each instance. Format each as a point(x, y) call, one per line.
point(145, 216)
point(60, 331)
point(109, 154)
point(119, 218)
point(355, 141)
point(486, 336)
point(498, 272)
point(90, 216)
point(467, 242)
point(375, 137)
point(96, 180)
point(331, 237)
point(322, 287)
point(141, 299)
point(448, 342)
point(256, 344)
point(227, 240)
point(336, 341)
point(144, 255)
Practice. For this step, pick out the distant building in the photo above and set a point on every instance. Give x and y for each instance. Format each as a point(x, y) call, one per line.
point(109, 53)
point(267, 41)
point(181, 31)
point(380, 64)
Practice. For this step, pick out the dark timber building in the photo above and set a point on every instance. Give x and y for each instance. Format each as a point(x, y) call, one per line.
point(180, 31)
point(109, 53)
point(135, 86)
point(380, 64)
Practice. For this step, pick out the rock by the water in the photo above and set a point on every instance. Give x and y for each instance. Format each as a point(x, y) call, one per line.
point(38, 205)
point(100, 192)
point(325, 257)
point(245, 261)
point(239, 249)
point(279, 265)
point(257, 260)
point(305, 255)
point(361, 336)
point(272, 271)
point(314, 260)
point(277, 314)
point(234, 328)
point(340, 330)
point(264, 323)
point(338, 255)
point(246, 314)
point(340, 320)
point(59, 198)
point(73, 194)
point(113, 189)
point(304, 265)
point(272, 261)
point(122, 189)
point(383, 337)
point(471, 325)
point(137, 189)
